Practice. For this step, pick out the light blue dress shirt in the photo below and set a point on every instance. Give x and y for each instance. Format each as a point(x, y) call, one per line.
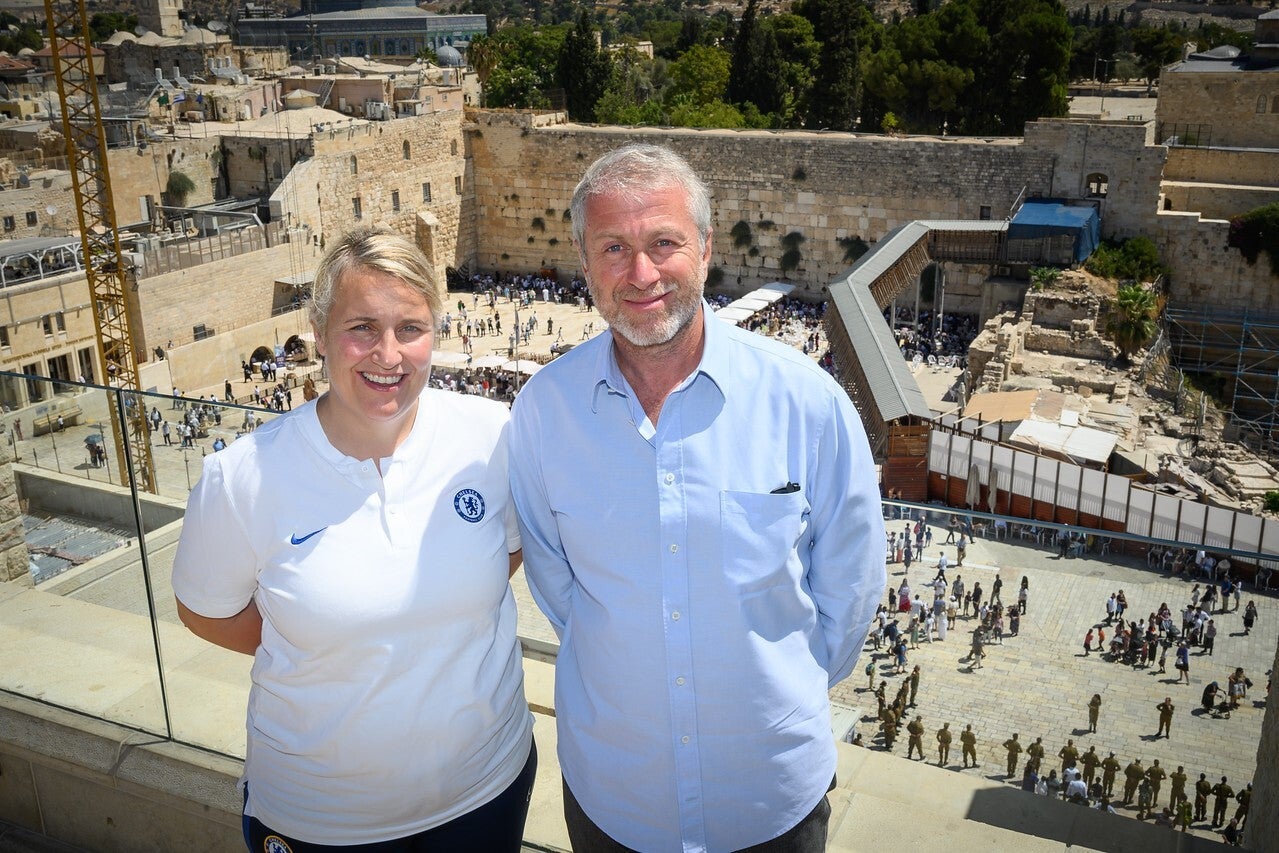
point(710, 577)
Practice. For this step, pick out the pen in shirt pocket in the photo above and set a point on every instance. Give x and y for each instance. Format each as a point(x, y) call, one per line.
point(786, 489)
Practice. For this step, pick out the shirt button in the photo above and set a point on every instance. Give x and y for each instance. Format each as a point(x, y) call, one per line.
point(674, 549)
point(684, 739)
point(680, 681)
point(670, 478)
point(675, 615)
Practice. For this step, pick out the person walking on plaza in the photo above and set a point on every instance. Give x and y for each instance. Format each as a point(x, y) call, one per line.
point(1109, 769)
point(1144, 799)
point(961, 549)
point(1165, 709)
point(976, 653)
point(1094, 711)
point(1177, 791)
point(943, 745)
point(1023, 593)
point(1210, 637)
point(1088, 638)
point(914, 685)
point(915, 728)
point(664, 407)
point(1249, 617)
point(1013, 747)
point(952, 527)
point(995, 589)
point(969, 742)
point(1183, 662)
point(1202, 789)
point(1222, 794)
point(1112, 607)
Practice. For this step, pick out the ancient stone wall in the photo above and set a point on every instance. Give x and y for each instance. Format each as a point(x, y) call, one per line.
point(1217, 201)
point(222, 296)
point(24, 211)
point(1208, 272)
point(369, 163)
point(807, 190)
point(256, 166)
point(1218, 109)
point(13, 547)
point(1257, 168)
point(1262, 827)
point(1117, 150)
point(137, 173)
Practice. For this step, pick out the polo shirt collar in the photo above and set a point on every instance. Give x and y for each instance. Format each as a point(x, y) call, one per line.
point(715, 364)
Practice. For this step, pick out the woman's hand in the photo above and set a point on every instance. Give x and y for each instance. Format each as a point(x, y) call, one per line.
point(239, 633)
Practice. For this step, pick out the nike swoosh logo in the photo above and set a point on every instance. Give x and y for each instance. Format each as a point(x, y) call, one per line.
point(298, 540)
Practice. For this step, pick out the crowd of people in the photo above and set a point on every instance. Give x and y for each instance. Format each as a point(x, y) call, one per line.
point(923, 340)
point(938, 607)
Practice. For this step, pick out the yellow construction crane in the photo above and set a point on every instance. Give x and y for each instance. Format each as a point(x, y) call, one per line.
point(71, 48)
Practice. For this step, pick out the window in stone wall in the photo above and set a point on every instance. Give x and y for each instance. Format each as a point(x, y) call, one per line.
point(355, 165)
point(4, 337)
point(277, 170)
point(355, 208)
point(1098, 185)
point(60, 321)
point(406, 149)
point(46, 322)
point(1274, 104)
point(32, 221)
point(457, 184)
point(1262, 100)
point(9, 223)
point(984, 213)
point(453, 147)
point(426, 192)
point(395, 200)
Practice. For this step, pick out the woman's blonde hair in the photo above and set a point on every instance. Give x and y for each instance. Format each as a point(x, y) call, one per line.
point(372, 249)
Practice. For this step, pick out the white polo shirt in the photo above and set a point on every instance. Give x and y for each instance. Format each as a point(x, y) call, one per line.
point(387, 693)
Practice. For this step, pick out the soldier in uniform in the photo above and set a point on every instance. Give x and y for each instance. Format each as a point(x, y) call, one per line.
point(916, 730)
point(1094, 709)
point(1222, 794)
point(1069, 755)
point(1109, 768)
point(1090, 760)
point(1156, 775)
point(1035, 753)
point(1014, 750)
point(1244, 798)
point(889, 727)
point(969, 741)
point(914, 684)
point(943, 745)
point(1165, 717)
point(1133, 774)
point(1202, 789)
point(1177, 793)
point(879, 696)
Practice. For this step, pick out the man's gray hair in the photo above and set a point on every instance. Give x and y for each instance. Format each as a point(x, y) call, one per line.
point(638, 168)
point(373, 249)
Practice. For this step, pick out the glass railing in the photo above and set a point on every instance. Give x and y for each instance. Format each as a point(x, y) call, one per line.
point(87, 617)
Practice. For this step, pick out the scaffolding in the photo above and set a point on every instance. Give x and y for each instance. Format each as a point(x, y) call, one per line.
point(1241, 348)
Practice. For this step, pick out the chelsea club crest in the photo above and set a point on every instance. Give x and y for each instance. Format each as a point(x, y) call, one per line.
point(275, 844)
point(469, 504)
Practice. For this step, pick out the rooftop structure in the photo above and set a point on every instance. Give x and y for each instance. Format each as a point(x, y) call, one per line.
point(397, 29)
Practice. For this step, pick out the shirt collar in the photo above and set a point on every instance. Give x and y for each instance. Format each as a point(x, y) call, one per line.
point(715, 363)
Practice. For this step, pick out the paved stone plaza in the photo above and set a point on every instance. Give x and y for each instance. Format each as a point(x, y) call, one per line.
point(1038, 684)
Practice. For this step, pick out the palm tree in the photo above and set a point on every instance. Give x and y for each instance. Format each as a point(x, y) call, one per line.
point(1132, 321)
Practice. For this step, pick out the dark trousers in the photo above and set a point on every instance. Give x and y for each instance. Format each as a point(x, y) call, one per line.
point(498, 825)
point(807, 836)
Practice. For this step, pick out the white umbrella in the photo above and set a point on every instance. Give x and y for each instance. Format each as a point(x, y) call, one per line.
point(488, 361)
point(522, 365)
point(447, 358)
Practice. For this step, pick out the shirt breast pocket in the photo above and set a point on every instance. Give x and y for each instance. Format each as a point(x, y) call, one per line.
point(760, 538)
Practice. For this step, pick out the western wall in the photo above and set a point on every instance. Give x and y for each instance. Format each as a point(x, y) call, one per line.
point(828, 188)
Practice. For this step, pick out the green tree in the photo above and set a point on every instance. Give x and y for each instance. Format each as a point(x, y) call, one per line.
point(178, 187)
point(584, 70)
point(516, 65)
point(685, 112)
point(798, 50)
point(700, 75)
point(1132, 319)
point(1155, 47)
point(103, 24)
point(836, 94)
point(755, 75)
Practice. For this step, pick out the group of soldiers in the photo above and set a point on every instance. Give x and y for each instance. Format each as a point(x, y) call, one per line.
point(1098, 774)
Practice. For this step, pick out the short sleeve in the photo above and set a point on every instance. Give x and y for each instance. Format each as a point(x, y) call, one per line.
point(215, 568)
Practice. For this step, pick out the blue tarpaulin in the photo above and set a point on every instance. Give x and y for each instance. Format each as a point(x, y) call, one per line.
point(1049, 218)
